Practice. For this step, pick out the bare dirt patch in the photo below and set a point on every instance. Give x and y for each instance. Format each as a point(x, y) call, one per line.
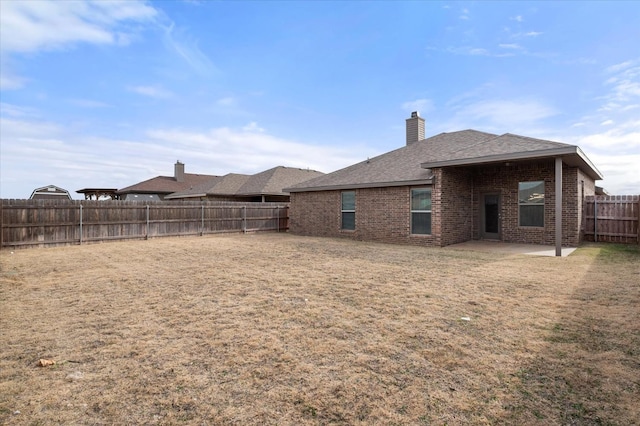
point(279, 329)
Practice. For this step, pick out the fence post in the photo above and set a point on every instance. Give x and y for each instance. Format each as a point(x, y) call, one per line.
point(595, 218)
point(638, 224)
point(146, 237)
point(278, 227)
point(80, 223)
point(202, 222)
point(244, 219)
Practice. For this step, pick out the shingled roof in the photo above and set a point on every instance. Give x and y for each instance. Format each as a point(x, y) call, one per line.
point(219, 185)
point(411, 164)
point(272, 181)
point(166, 184)
point(269, 182)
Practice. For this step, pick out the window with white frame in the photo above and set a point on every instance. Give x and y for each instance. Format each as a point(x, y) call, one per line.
point(421, 211)
point(531, 203)
point(348, 210)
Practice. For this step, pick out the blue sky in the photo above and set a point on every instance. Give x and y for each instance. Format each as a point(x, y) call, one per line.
point(107, 94)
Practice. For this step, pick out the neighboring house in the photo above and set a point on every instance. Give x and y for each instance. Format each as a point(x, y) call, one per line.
point(99, 193)
point(451, 188)
point(265, 186)
point(159, 187)
point(50, 192)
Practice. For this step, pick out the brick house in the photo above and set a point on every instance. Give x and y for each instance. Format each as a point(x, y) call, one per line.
point(157, 188)
point(451, 188)
point(266, 186)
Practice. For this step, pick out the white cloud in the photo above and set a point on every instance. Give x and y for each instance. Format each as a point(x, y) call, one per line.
point(511, 115)
point(517, 18)
point(510, 46)
point(15, 111)
point(606, 123)
point(27, 26)
point(151, 91)
point(618, 67)
point(188, 49)
point(88, 103)
point(228, 101)
point(620, 172)
point(35, 25)
point(623, 139)
point(253, 127)
point(422, 105)
point(476, 51)
point(34, 153)
point(9, 81)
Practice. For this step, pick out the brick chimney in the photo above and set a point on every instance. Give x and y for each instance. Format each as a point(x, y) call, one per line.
point(415, 128)
point(179, 171)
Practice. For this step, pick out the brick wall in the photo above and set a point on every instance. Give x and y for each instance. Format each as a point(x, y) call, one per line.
point(504, 180)
point(382, 214)
point(456, 215)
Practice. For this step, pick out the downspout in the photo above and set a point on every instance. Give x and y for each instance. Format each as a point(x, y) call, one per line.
point(558, 206)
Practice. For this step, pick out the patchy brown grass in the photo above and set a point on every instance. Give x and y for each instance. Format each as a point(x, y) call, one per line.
point(278, 329)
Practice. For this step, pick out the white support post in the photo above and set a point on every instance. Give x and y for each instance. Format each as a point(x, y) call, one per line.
point(558, 206)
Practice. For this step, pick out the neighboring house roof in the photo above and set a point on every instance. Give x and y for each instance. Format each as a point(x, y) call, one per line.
point(269, 182)
point(272, 181)
point(166, 184)
point(50, 192)
point(218, 185)
point(411, 164)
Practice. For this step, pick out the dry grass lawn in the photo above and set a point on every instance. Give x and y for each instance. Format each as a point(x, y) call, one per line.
point(278, 329)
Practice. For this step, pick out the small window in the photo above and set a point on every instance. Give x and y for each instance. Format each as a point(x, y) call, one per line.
point(531, 203)
point(421, 211)
point(349, 210)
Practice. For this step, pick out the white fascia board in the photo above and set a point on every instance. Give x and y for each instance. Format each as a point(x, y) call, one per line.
point(588, 162)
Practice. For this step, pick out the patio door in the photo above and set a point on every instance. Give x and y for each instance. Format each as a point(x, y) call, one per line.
point(490, 216)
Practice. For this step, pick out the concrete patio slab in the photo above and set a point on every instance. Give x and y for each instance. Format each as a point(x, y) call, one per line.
point(512, 248)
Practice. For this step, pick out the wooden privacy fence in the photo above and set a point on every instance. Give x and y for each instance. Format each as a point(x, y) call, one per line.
point(52, 222)
point(612, 218)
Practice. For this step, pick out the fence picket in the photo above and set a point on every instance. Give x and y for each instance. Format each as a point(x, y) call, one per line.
point(612, 218)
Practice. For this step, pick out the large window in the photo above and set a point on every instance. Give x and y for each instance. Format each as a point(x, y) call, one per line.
point(421, 211)
point(531, 203)
point(349, 210)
